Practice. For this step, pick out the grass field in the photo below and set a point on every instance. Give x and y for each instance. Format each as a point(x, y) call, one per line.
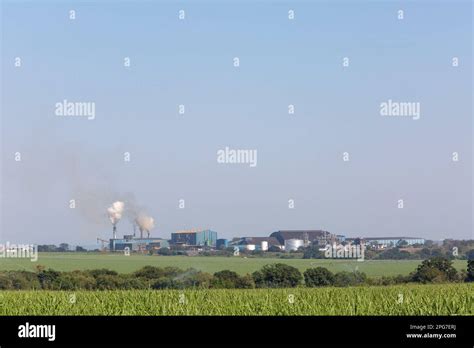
point(444, 299)
point(128, 264)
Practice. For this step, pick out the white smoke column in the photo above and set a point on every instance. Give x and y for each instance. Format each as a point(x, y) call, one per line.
point(115, 214)
point(145, 223)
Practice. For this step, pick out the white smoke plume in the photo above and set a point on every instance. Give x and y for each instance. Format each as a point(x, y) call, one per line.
point(115, 212)
point(145, 223)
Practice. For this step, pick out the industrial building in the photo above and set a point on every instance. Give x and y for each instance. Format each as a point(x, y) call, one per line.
point(194, 238)
point(306, 236)
point(222, 244)
point(137, 244)
point(255, 243)
point(387, 242)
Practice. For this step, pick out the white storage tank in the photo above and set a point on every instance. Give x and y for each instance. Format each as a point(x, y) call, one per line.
point(250, 246)
point(293, 244)
point(264, 245)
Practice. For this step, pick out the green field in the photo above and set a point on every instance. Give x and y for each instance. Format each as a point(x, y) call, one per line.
point(128, 264)
point(444, 299)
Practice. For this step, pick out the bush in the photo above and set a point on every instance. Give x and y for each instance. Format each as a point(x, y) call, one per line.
point(225, 279)
point(435, 270)
point(318, 276)
point(47, 278)
point(349, 278)
point(164, 283)
point(5, 282)
point(245, 282)
point(192, 278)
point(151, 272)
point(130, 282)
point(470, 270)
point(74, 281)
point(231, 280)
point(277, 275)
point(103, 271)
point(108, 282)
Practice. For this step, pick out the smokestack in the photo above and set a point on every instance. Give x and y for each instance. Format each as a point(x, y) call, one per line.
point(115, 214)
point(145, 223)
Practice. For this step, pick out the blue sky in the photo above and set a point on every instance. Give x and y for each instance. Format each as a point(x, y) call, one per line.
point(282, 62)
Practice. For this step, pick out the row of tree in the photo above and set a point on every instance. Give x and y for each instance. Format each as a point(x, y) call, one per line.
point(435, 270)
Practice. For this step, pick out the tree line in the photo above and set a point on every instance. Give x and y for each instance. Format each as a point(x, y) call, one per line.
point(278, 275)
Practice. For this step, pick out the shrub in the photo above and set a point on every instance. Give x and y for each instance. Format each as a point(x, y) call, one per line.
point(277, 275)
point(349, 278)
point(73, 281)
point(134, 283)
point(108, 282)
point(5, 282)
point(231, 280)
point(436, 269)
point(225, 279)
point(164, 283)
point(151, 272)
point(245, 282)
point(103, 271)
point(47, 278)
point(318, 276)
point(192, 278)
point(470, 270)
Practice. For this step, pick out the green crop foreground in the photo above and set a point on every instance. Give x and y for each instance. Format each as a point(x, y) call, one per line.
point(444, 299)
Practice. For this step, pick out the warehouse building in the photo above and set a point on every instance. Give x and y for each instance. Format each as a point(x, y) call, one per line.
point(256, 243)
point(222, 244)
point(307, 236)
point(137, 244)
point(389, 242)
point(194, 238)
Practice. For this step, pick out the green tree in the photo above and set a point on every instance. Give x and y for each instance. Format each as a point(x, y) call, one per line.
point(470, 270)
point(349, 278)
point(225, 279)
point(435, 270)
point(277, 275)
point(318, 276)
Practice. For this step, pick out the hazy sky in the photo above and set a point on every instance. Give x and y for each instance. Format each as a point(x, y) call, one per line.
point(282, 62)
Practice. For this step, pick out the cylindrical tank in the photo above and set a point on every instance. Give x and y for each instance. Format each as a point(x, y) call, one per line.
point(293, 244)
point(250, 246)
point(264, 245)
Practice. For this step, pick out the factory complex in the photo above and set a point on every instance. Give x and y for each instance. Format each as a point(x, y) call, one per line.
point(282, 240)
